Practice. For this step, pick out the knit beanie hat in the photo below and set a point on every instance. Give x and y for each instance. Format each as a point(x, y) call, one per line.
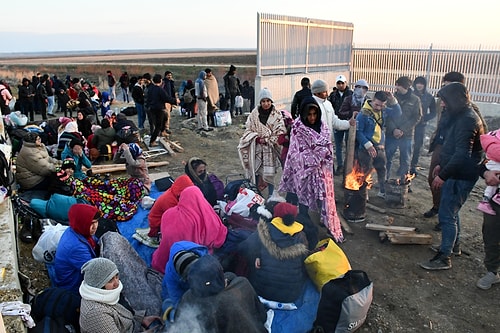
point(286, 211)
point(206, 277)
point(421, 80)
point(98, 271)
point(265, 93)
point(319, 86)
point(68, 163)
point(362, 83)
point(30, 137)
point(135, 150)
point(183, 261)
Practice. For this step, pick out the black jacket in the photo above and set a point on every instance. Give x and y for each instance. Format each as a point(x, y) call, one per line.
point(461, 153)
point(297, 100)
point(336, 99)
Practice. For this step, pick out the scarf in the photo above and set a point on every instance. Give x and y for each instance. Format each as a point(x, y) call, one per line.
point(110, 297)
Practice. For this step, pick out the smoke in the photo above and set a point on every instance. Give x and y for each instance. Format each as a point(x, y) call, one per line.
point(190, 320)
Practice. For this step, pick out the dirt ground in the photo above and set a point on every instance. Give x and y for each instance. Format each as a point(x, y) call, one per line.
point(406, 297)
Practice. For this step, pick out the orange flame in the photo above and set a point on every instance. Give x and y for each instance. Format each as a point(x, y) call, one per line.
point(357, 178)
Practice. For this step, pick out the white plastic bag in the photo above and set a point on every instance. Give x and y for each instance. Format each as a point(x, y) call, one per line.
point(45, 249)
point(245, 199)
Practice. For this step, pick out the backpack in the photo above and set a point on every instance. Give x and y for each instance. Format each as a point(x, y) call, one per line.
point(188, 97)
point(218, 186)
point(57, 303)
point(344, 303)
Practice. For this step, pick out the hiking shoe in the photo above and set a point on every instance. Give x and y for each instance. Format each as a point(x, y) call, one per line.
point(485, 207)
point(381, 195)
point(487, 280)
point(438, 263)
point(457, 250)
point(431, 212)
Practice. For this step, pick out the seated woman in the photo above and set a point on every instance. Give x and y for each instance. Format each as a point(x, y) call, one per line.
point(126, 130)
point(196, 169)
point(193, 219)
point(135, 163)
point(78, 244)
point(74, 150)
point(104, 136)
point(69, 133)
point(168, 199)
point(275, 256)
point(226, 303)
point(103, 309)
point(59, 179)
point(33, 164)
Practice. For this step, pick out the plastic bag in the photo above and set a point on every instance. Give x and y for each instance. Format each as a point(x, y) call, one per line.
point(245, 199)
point(326, 263)
point(45, 249)
point(147, 202)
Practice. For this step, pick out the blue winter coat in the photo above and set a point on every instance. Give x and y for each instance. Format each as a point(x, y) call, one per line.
point(72, 252)
point(80, 161)
point(173, 286)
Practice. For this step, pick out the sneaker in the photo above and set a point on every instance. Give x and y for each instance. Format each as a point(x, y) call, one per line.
point(438, 263)
point(485, 207)
point(487, 280)
point(431, 212)
point(457, 250)
point(381, 195)
point(496, 198)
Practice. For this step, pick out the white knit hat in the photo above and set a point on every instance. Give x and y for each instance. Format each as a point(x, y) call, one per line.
point(98, 271)
point(265, 93)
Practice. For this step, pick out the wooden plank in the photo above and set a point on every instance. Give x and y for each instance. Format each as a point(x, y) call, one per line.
point(345, 225)
point(349, 158)
point(108, 168)
point(176, 146)
point(167, 146)
point(375, 208)
point(389, 228)
point(409, 238)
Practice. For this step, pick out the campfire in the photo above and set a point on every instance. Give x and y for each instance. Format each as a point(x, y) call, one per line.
point(397, 190)
point(356, 184)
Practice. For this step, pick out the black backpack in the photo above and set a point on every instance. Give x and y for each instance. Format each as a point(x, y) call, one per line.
point(59, 304)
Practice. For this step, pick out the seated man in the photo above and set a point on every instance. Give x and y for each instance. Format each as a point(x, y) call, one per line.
point(222, 301)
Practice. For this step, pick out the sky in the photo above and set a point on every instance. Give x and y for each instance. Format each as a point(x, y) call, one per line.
point(37, 26)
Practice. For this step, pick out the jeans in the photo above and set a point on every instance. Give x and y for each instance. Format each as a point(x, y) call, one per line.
point(141, 115)
point(454, 193)
point(491, 239)
point(50, 106)
point(112, 93)
point(339, 137)
point(404, 145)
point(418, 142)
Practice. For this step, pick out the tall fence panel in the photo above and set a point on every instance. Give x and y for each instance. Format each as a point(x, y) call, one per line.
point(382, 66)
point(289, 48)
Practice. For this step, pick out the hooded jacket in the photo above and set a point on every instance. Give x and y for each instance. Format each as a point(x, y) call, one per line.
point(426, 99)
point(411, 114)
point(461, 151)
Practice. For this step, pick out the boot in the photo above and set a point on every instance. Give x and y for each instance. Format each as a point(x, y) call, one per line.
point(25, 234)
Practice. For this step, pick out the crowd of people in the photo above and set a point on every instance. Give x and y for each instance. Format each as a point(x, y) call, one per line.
point(307, 144)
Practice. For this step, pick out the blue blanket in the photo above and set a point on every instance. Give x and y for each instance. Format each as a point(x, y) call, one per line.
point(296, 321)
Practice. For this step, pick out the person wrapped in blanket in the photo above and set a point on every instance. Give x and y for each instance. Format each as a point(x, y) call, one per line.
point(192, 219)
point(135, 163)
point(275, 256)
point(220, 301)
point(258, 148)
point(308, 167)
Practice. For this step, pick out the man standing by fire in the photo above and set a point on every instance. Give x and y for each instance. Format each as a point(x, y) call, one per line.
point(370, 138)
point(400, 129)
point(460, 155)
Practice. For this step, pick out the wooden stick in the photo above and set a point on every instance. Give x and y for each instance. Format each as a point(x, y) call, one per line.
point(120, 167)
point(349, 154)
point(393, 228)
point(176, 146)
point(375, 208)
point(167, 146)
point(409, 238)
point(345, 225)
